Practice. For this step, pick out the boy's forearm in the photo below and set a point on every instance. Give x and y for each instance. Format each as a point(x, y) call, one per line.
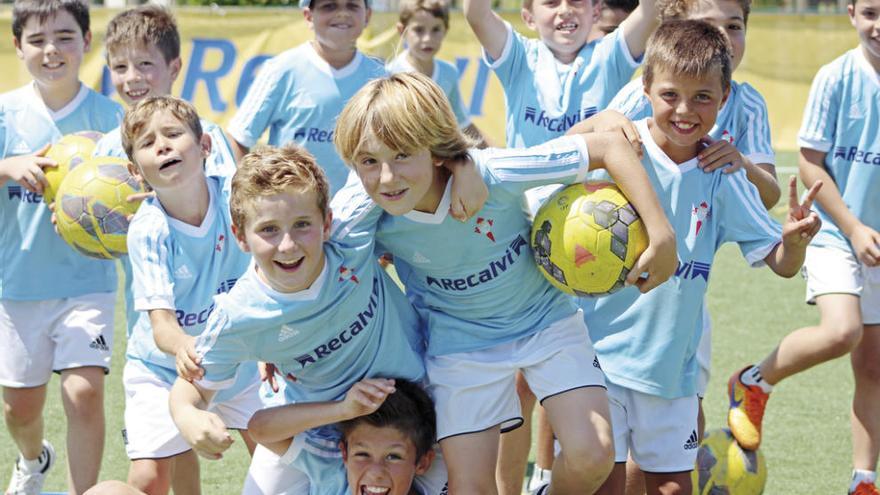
point(166, 331)
point(280, 423)
point(763, 176)
point(611, 151)
point(812, 168)
point(186, 398)
point(786, 261)
point(487, 26)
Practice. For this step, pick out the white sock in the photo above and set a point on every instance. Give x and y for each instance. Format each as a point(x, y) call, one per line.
point(861, 475)
point(29, 466)
point(752, 376)
point(542, 474)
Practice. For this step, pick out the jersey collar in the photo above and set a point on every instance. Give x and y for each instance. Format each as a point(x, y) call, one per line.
point(655, 153)
point(309, 294)
point(328, 69)
point(442, 209)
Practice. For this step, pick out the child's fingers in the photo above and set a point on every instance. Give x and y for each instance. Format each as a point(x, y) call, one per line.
point(458, 211)
point(42, 151)
point(793, 202)
point(811, 194)
point(134, 198)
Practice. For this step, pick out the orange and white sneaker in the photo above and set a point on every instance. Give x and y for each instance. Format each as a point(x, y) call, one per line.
point(865, 488)
point(747, 403)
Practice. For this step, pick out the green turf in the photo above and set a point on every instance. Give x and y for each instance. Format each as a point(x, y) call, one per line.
point(807, 439)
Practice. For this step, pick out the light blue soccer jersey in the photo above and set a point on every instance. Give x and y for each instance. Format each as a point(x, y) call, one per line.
point(352, 323)
point(544, 97)
point(476, 283)
point(220, 163)
point(35, 263)
point(648, 342)
point(181, 267)
point(842, 119)
point(742, 120)
point(446, 76)
point(316, 452)
point(297, 95)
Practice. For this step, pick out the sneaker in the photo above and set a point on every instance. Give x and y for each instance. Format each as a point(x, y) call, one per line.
point(747, 403)
point(542, 488)
point(865, 488)
point(31, 483)
point(538, 479)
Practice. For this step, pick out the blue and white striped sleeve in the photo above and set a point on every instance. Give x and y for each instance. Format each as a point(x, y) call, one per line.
point(754, 140)
point(820, 115)
point(151, 264)
point(257, 111)
point(564, 160)
point(220, 351)
point(631, 101)
point(744, 220)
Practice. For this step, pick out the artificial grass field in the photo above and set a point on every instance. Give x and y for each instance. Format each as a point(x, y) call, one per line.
point(807, 436)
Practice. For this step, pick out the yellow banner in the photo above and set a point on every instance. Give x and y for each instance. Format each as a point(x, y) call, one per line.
point(222, 50)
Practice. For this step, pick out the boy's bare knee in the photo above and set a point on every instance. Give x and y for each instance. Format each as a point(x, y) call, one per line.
point(21, 411)
point(590, 461)
point(111, 488)
point(843, 336)
point(867, 369)
point(473, 486)
point(150, 478)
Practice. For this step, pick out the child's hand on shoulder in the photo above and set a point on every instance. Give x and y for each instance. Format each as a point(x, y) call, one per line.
point(187, 360)
point(469, 192)
point(720, 153)
point(802, 223)
point(27, 170)
point(366, 396)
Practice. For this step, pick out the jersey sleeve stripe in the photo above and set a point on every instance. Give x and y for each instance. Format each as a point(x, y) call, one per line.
point(757, 123)
point(258, 95)
point(557, 159)
point(753, 206)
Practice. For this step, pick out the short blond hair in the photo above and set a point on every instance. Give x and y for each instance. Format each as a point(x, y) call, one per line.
point(688, 48)
point(408, 112)
point(270, 170)
point(144, 26)
point(137, 118)
point(437, 8)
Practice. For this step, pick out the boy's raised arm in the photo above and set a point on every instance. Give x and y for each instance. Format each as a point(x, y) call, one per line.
point(275, 427)
point(612, 151)
point(637, 28)
point(487, 25)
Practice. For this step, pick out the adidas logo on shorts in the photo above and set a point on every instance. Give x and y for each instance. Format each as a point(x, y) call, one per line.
point(99, 344)
point(124, 436)
point(692, 441)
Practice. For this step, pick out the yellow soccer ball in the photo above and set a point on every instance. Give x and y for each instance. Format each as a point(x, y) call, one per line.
point(586, 238)
point(91, 209)
point(723, 467)
point(69, 152)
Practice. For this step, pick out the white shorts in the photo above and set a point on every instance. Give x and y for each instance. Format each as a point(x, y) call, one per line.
point(150, 433)
point(660, 434)
point(475, 391)
point(704, 354)
point(268, 475)
point(830, 270)
point(40, 337)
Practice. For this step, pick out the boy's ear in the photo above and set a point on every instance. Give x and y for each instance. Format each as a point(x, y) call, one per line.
point(205, 145)
point(597, 10)
point(369, 14)
point(239, 239)
point(17, 44)
point(726, 96)
point(135, 172)
point(400, 28)
point(528, 18)
point(87, 40)
point(424, 463)
point(307, 15)
point(175, 65)
point(344, 449)
point(328, 223)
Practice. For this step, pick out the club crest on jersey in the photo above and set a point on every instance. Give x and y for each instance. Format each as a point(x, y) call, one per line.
point(484, 226)
point(220, 242)
point(346, 273)
point(700, 212)
point(727, 136)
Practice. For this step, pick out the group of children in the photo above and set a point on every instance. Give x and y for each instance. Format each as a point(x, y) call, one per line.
point(254, 296)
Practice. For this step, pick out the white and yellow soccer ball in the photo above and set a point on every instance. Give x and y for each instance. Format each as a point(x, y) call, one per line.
point(725, 468)
point(68, 152)
point(587, 237)
point(91, 207)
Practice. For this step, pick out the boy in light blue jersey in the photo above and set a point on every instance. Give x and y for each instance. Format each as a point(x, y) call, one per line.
point(647, 342)
point(388, 430)
point(142, 48)
point(554, 82)
point(742, 120)
point(488, 309)
point(315, 303)
point(56, 306)
point(839, 147)
point(298, 93)
point(422, 26)
point(182, 254)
